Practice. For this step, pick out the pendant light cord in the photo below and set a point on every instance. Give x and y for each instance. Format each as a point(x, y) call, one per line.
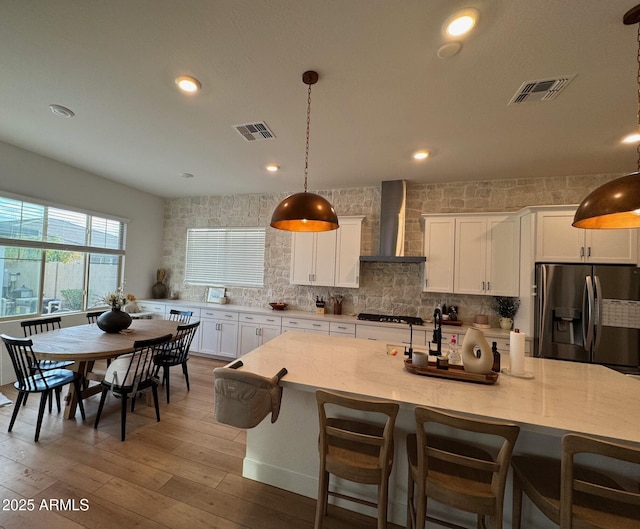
point(306, 151)
point(638, 83)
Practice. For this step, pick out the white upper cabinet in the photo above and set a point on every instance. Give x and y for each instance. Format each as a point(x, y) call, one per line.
point(439, 239)
point(472, 254)
point(487, 253)
point(348, 238)
point(558, 241)
point(328, 258)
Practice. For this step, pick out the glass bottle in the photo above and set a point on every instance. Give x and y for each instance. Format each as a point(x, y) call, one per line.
point(454, 355)
point(496, 357)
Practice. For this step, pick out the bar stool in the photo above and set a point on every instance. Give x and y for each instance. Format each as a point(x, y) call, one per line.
point(573, 495)
point(456, 473)
point(354, 449)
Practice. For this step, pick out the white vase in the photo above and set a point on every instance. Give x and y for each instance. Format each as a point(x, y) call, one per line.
point(474, 342)
point(506, 323)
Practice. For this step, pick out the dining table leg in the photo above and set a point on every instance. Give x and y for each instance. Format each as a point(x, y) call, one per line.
point(82, 367)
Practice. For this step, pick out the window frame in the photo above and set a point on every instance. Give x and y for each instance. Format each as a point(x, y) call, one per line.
point(87, 246)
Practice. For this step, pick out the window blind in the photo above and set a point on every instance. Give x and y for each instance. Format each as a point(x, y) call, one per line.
point(47, 227)
point(225, 256)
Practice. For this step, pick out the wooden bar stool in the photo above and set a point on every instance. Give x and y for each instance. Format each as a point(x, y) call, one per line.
point(457, 473)
point(354, 449)
point(573, 495)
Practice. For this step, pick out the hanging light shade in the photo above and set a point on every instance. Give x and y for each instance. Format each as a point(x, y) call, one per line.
point(615, 204)
point(305, 211)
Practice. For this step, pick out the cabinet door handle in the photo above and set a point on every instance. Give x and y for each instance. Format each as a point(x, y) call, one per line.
point(317, 325)
point(483, 285)
point(248, 318)
point(589, 252)
point(270, 320)
point(581, 251)
point(488, 285)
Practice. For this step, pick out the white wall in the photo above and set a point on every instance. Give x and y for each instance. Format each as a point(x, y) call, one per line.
point(31, 175)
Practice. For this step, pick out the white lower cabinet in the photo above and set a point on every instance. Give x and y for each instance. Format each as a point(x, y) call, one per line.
point(392, 334)
point(219, 333)
point(342, 329)
point(256, 329)
point(304, 325)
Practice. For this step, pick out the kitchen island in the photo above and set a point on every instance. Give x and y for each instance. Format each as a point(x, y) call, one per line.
point(561, 397)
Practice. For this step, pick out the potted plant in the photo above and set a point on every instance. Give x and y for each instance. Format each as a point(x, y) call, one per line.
point(506, 308)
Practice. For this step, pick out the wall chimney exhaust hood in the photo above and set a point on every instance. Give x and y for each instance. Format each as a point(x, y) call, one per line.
point(392, 216)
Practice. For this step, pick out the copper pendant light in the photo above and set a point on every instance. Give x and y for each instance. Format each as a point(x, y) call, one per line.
point(615, 204)
point(305, 211)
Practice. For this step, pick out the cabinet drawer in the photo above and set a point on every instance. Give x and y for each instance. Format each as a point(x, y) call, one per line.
point(261, 319)
point(342, 328)
point(308, 325)
point(218, 315)
point(151, 307)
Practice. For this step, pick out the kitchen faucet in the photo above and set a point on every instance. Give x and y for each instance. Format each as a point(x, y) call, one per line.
point(437, 333)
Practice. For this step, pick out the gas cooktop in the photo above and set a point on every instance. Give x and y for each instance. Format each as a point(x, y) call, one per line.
point(412, 320)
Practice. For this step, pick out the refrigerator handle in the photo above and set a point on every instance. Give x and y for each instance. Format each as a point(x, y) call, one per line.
point(541, 292)
point(587, 309)
point(597, 316)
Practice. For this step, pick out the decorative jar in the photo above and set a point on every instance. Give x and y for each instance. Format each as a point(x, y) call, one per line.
point(113, 321)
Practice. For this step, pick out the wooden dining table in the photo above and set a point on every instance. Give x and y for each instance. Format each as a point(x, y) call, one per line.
point(87, 343)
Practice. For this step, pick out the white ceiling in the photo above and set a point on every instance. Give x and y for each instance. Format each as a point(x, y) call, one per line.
point(382, 93)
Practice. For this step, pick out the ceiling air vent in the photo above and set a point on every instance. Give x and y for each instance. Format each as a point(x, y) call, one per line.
point(540, 90)
point(258, 131)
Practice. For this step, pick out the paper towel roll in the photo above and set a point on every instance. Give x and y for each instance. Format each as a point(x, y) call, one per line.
point(516, 352)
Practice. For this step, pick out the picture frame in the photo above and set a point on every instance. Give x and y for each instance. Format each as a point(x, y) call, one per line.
point(216, 295)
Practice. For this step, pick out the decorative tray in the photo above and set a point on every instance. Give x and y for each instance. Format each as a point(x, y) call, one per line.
point(454, 373)
point(452, 322)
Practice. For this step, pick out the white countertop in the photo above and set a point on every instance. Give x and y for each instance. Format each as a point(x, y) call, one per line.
point(562, 396)
point(310, 315)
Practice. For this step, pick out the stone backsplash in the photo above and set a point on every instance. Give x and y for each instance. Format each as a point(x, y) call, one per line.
point(384, 288)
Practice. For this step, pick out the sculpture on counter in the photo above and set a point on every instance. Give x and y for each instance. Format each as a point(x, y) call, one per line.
point(475, 344)
point(159, 290)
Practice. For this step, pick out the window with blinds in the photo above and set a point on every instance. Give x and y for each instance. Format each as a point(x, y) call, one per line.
point(54, 259)
point(225, 256)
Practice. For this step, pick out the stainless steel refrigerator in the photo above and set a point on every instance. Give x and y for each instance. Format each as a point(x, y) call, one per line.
point(588, 313)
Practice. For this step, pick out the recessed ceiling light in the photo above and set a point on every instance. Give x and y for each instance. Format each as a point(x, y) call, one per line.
point(188, 84)
point(421, 155)
point(273, 168)
point(61, 111)
point(461, 22)
point(186, 175)
point(632, 138)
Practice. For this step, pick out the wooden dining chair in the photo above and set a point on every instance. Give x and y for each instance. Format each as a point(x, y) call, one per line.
point(354, 449)
point(183, 316)
point(574, 495)
point(31, 378)
point(176, 353)
point(457, 473)
point(130, 374)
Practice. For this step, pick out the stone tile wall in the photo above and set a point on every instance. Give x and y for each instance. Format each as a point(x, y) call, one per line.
point(384, 288)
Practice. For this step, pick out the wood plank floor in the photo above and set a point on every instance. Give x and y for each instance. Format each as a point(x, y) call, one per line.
point(182, 472)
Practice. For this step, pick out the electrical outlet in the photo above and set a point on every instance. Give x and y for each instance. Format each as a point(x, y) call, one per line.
point(355, 300)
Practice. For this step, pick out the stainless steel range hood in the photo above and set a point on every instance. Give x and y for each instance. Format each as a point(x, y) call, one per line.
point(392, 217)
